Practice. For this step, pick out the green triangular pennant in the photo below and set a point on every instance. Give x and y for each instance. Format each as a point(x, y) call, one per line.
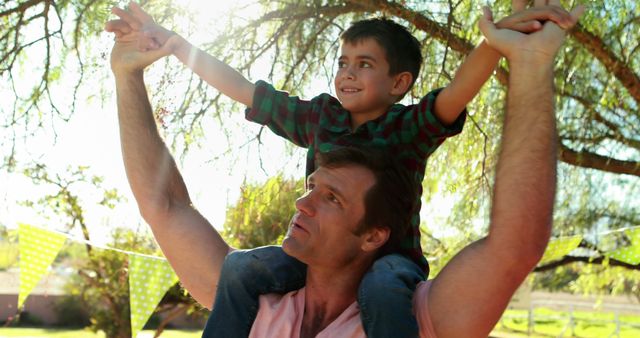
point(559, 247)
point(149, 280)
point(631, 252)
point(38, 248)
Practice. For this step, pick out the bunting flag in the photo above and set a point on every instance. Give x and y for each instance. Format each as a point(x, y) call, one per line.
point(630, 252)
point(559, 247)
point(38, 248)
point(149, 280)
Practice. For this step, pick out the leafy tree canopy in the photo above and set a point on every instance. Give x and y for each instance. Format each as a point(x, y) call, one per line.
point(293, 44)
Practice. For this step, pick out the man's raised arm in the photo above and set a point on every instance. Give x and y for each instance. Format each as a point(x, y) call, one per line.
point(193, 247)
point(470, 294)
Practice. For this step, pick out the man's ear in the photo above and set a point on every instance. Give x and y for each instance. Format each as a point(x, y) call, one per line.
point(375, 238)
point(401, 83)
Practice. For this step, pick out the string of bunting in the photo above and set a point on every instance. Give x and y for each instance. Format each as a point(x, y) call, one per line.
point(150, 277)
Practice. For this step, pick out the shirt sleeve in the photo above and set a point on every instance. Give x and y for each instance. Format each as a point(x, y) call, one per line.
point(430, 131)
point(421, 310)
point(288, 116)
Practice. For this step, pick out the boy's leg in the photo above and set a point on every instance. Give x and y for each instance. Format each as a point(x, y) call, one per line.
point(245, 275)
point(385, 297)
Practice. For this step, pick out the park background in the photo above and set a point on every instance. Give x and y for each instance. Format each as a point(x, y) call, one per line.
point(60, 165)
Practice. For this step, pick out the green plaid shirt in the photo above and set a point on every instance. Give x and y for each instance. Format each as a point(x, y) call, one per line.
point(322, 124)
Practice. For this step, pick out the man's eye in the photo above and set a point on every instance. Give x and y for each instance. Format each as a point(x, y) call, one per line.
point(341, 64)
point(333, 199)
point(365, 65)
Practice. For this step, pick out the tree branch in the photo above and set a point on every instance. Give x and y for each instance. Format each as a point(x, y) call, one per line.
point(572, 259)
point(611, 62)
point(21, 7)
point(594, 161)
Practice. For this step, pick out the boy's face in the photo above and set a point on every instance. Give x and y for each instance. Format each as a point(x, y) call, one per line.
point(363, 83)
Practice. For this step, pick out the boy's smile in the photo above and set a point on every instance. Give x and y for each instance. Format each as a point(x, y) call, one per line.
point(363, 84)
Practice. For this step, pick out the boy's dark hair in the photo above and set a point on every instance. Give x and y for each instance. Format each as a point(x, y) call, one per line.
point(391, 201)
point(401, 47)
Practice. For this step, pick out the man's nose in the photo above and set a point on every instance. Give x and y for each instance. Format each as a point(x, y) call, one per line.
point(305, 203)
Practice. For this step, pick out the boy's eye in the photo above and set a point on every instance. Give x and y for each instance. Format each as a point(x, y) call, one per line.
point(365, 64)
point(341, 64)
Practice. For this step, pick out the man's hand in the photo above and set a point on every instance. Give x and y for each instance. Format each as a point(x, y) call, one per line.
point(540, 45)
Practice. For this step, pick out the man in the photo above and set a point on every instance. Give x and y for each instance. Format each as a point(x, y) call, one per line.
point(468, 296)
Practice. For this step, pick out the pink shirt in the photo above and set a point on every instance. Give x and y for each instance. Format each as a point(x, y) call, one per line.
point(281, 316)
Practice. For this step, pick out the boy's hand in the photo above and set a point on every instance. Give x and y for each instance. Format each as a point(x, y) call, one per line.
point(133, 50)
point(153, 36)
point(531, 20)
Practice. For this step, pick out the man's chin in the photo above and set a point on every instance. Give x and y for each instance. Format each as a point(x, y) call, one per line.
point(291, 247)
point(286, 244)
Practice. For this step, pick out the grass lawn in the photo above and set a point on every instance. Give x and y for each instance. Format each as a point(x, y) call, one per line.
point(550, 323)
point(8, 255)
point(79, 333)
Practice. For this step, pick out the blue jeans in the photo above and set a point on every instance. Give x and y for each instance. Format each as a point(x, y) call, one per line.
point(385, 293)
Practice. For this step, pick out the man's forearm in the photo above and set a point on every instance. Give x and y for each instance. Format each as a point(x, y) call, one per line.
point(192, 246)
point(470, 77)
point(216, 73)
point(149, 166)
point(526, 170)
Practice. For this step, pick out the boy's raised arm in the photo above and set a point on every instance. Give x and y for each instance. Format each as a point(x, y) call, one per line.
point(469, 78)
point(215, 72)
point(481, 62)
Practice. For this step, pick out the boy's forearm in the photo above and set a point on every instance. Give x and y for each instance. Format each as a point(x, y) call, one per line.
point(216, 73)
point(472, 74)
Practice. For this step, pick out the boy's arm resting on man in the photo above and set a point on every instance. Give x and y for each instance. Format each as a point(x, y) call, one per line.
point(482, 61)
point(470, 294)
point(192, 246)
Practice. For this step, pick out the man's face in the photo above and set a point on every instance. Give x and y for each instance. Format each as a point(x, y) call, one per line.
point(363, 83)
point(322, 231)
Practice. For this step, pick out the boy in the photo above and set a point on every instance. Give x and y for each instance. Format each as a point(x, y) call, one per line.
point(378, 65)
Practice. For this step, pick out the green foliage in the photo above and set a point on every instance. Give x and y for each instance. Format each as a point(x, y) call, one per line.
point(8, 254)
point(262, 213)
point(71, 312)
point(603, 279)
point(559, 279)
point(100, 286)
point(102, 283)
point(294, 45)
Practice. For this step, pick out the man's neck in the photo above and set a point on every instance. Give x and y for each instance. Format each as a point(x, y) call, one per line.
point(327, 295)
